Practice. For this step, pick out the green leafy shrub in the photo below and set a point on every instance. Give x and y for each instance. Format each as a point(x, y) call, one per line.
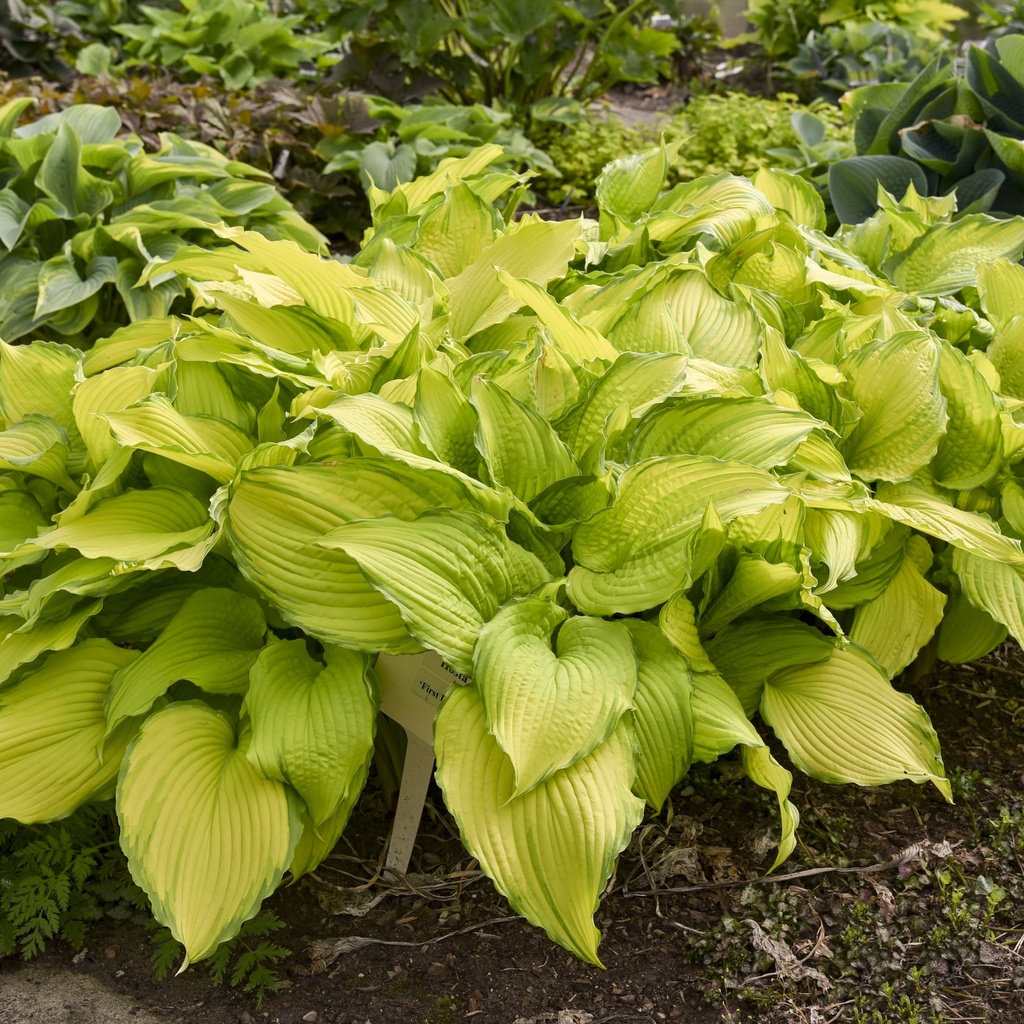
point(637, 481)
point(717, 134)
point(844, 56)
point(512, 53)
point(242, 42)
point(944, 132)
point(84, 209)
point(32, 37)
point(780, 27)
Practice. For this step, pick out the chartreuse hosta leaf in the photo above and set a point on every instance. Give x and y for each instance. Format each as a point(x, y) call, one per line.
point(911, 504)
point(797, 197)
point(112, 391)
point(136, 526)
point(38, 446)
point(520, 447)
point(551, 850)
point(313, 724)
point(894, 626)
point(54, 754)
point(446, 420)
point(993, 586)
point(276, 516)
point(21, 641)
point(207, 837)
point(841, 721)
point(895, 382)
point(967, 632)
point(548, 708)
point(213, 640)
point(751, 430)
point(662, 715)
point(719, 725)
point(448, 572)
point(641, 549)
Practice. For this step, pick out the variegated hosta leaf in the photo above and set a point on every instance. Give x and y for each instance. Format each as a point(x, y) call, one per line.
point(547, 708)
point(313, 724)
point(37, 446)
point(112, 391)
point(206, 836)
point(23, 641)
point(212, 641)
point(53, 752)
point(551, 851)
point(754, 581)
point(911, 504)
point(751, 430)
point(520, 447)
point(448, 572)
point(720, 724)
point(136, 526)
point(894, 626)
point(662, 716)
point(641, 549)
point(276, 516)
point(841, 721)
point(995, 587)
point(896, 384)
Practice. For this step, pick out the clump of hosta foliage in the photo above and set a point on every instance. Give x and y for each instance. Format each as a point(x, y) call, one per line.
point(84, 209)
point(653, 485)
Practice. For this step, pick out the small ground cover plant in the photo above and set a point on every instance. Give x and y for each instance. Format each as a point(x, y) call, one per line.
point(651, 483)
point(84, 208)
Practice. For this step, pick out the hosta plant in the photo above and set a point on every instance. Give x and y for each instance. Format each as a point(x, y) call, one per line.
point(651, 485)
point(944, 132)
point(84, 208)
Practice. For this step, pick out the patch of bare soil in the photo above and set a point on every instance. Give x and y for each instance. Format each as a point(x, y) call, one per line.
point(895, 907)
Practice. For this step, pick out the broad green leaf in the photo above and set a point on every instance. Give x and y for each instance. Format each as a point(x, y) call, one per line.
point(911, 504)
point(14, 215)
point(895, 382)
point(53, 755)
point(575, 339)
point(448, 572)
point(550, 703)
point(313, 724)
point(678, 621)
point(946, 259)
point(1007, 355)
point(971, 452)
point(751, 430)
point(388, 427)
point(747, 653)
point(854, 183)
point(839, 540)
point(993, 586)
point(276, 516)
point(209, 445)
point(22, 642)
point(641, 549)
point(1001, 290)
point(754, 581)
point(38, 446)
point(60, 285)
point(454, 234)
point(37, 379)
point(21, 518)
point(842, 721)
point(135, 526)
point(551, 851)
point(111, 391)
point(213, 640)
point(628, 187)
point(878, 560)
point(793, 194)
point(902, 619)
point(446, 420)
point(763, 770)
point(520, 447)
point(968, 633)
point(535, 250)
point(632, 383)
point(205, 835)
point(62, 176)
point(662, 716)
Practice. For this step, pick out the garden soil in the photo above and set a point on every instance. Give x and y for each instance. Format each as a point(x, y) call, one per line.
point(886, 907)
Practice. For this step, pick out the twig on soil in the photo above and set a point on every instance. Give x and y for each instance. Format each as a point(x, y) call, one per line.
point(911, 853)
point(326, 952)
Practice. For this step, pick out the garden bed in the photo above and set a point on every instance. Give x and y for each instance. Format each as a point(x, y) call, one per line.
point(915, 893)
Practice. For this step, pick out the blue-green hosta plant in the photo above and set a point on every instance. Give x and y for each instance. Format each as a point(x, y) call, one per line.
point(84, 208)
point(654, 485)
